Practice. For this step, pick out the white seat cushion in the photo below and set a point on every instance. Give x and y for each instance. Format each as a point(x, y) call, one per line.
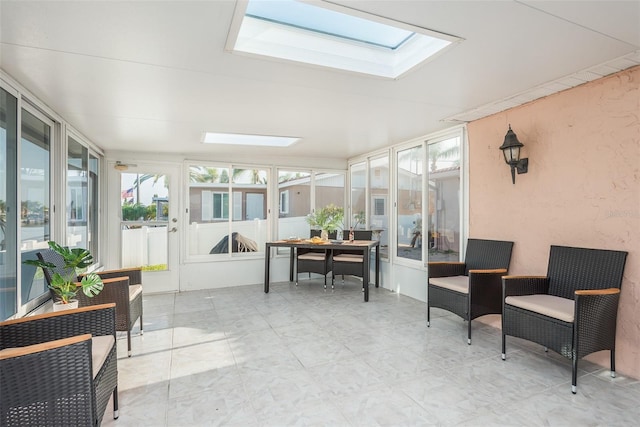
point(134, 290)
point(454, 283)
point(548, 305)
point(312, 256)
point(100, 347)
point(348, 258)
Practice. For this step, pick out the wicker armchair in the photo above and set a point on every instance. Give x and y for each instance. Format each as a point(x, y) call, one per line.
point(122, 287)
point(59, 368)
point(572, 310)
point(347, 262)
point(472, 288)
point(314, 260)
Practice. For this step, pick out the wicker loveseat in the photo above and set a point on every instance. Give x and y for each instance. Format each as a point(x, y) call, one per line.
point(60, 368)
point(472, 288)
point(573, 309)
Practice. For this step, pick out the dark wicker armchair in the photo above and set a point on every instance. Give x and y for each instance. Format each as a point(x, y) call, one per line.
point(314, 260)
point(573, 309)
point(122, 287)
point(59, 368)
point(472, 288)
point(347, 262)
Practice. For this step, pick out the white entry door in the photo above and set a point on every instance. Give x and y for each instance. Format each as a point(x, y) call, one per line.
point(148, 226)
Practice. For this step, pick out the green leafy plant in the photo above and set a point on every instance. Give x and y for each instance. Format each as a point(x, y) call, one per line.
point(329, 218)
point(360, 219)
point(65, 287)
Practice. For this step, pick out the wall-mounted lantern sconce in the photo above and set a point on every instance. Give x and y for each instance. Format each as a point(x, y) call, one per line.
point(511, 150)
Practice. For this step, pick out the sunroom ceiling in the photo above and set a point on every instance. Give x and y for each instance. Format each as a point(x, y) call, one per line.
point(153, 76)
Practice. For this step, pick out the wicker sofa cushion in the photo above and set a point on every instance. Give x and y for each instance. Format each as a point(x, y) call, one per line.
point(313, 256)
point(100, 347)
point(134, 291)
point(348, 258)
point(454, 283)
point(548, 305)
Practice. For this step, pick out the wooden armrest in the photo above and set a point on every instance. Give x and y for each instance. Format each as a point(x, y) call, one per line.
point(492, 271)
point(57, 313)
point(444, 262)
point(523, 277)
point(609, 291)
point(36, 348)
point(115, 279)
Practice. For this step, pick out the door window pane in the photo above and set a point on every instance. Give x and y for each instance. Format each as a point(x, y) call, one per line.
point(409, 210)
point(145, 213)
point(35, 155)
point(444, 200)
point(8, 205)
point(77, 193)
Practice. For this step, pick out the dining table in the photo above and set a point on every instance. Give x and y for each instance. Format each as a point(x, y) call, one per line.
point(364, 246)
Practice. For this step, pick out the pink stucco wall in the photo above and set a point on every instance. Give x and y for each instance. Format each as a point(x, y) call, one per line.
point(582, 188)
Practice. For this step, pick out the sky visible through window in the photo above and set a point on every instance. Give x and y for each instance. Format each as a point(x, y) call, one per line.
point(325, 21)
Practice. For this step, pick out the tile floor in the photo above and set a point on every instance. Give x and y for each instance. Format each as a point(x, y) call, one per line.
point(300, 356)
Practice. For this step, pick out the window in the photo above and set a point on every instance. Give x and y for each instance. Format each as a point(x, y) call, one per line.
point(284, 202)
point(444, 210)
point(77, 193)
point(227, 210)
point(8, 205)
point(220, 206)
point(409, 203)
point(297, 185)
point(332, 36)
point(35, 199)
point(359, 195)
point(93, 208)
point(379, 206)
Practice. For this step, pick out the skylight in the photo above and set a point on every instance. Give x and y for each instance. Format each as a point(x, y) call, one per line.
point(240, 139)
point(331, 36)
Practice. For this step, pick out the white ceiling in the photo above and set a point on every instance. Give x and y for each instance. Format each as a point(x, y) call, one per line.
point(152, 76)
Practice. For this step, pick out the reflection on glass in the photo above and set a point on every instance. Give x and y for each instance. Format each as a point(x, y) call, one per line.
point(444, 200)
point(294, 192)
point(35, 181)
point(379, 206)
point(358, 195)
point(77, 186)
point(409, 211)
point(8, 205)
point(144, 200)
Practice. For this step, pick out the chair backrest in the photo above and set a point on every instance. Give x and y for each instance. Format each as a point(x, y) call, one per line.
point(581, 268)
point(56, 259)
point(358, 234)
point(487, 254)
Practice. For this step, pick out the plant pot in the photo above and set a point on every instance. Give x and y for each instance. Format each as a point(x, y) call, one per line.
point(59, 306)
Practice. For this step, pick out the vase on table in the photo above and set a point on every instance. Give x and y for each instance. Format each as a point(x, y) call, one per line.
point(324, 235)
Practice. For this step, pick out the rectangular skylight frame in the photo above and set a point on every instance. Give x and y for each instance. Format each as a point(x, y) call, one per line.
point(261, 37)
point(248, 140)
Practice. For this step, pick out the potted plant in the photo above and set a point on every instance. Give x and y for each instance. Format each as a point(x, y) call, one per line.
point(65, 286)
point(327, 219)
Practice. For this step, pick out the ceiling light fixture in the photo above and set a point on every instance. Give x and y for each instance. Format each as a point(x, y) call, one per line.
point(242, 139)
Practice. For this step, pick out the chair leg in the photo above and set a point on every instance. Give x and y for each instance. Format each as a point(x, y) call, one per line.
point(504, 346)
point(116, 414)
point(428, 314)
point(325, 282)
point(141, 329)
point(129, 343)
point(574, 375)
point(613, 363)
point(469, 332)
